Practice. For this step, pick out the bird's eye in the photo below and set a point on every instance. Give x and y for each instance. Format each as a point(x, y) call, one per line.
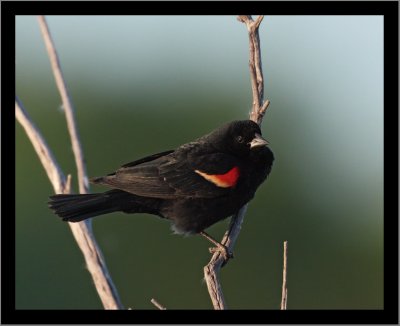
point(239, 139)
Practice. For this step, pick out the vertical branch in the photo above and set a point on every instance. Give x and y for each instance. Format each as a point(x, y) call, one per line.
point(284, 286)
point(67, 104)
point(211, 270)
point(82, 231)
point(256, 75)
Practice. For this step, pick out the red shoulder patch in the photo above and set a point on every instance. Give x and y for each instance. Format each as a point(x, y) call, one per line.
point(226, 180)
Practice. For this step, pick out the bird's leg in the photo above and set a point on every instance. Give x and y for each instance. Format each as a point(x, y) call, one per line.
point(218, 247)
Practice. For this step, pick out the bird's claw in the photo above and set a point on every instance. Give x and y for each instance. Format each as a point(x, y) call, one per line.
point(224, 251)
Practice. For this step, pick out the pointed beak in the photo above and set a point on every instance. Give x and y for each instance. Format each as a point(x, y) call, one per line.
point(258, 141)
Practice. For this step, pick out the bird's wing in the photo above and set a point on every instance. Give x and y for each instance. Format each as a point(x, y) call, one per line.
point(166, 176)
point(147, 159)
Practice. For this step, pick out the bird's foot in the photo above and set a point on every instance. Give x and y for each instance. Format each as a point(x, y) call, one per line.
point(219, 247)
point(224, 251)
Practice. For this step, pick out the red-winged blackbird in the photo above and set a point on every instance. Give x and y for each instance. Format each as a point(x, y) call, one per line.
point(194, 186)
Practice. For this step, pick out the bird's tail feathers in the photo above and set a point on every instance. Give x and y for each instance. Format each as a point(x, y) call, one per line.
point(76, 208)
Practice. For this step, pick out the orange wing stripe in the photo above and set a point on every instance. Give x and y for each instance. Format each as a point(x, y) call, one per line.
point(226, 180)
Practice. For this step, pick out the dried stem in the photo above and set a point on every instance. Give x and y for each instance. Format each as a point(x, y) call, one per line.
point(284, 286)
point(67, 104)
point(157, 304)
point(256, 75)
point(82, 231)
point(211, 270)
point(46, 157)
point(96, 265)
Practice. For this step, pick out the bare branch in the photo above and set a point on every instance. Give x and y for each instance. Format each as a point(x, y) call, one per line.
point(47, 158)
point(81, 231)
point(157, 304)
point(256, 75)
point(258, 21)
point(211, 270)
point(264, 108)
point(67, 187)
point(67, 104)
point(284, 286)
point(244, 19)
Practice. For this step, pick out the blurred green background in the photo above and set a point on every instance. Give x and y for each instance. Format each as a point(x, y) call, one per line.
point(146, 84)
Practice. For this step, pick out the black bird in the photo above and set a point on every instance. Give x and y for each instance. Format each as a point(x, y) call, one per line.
point(193, 186)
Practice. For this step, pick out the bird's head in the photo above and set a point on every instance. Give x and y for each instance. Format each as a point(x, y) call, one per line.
point(239, 137)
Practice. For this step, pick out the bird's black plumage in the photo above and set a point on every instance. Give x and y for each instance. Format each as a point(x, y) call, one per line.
point(194, 186)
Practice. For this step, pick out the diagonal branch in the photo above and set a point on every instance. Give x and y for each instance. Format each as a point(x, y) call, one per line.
point(157, 304)
point(81, 231)
point(211, 270)
point(67, 104)
point(47, 158)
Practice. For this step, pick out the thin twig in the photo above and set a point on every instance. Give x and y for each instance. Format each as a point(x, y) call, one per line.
point(157, 304)
point(211, 270)
point(46, 157)
point(82, 231)
point(67, 104)
point(256, 75)
point(284, 286)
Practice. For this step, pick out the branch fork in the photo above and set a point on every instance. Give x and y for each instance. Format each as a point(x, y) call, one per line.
point(82, 231)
